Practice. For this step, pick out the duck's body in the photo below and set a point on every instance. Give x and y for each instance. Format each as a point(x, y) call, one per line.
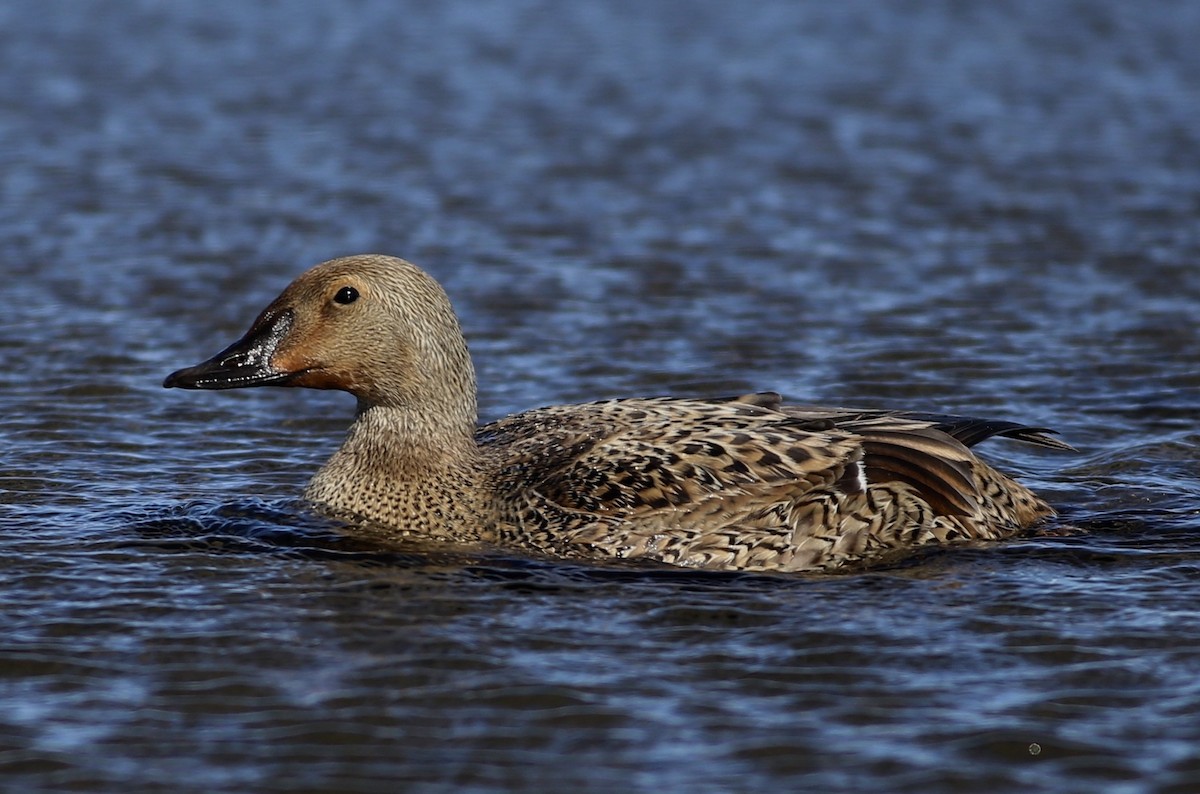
point(746, 483)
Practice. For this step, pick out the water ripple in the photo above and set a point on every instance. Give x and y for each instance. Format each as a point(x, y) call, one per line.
point(986, 210)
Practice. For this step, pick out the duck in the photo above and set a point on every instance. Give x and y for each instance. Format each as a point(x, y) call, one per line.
point(740, 483)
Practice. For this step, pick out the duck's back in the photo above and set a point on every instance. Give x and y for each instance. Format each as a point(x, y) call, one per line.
point(747, 482)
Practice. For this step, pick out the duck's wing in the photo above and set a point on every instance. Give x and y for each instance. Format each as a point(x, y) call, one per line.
point(644, 454)
point(929, 451)
point(632, 457)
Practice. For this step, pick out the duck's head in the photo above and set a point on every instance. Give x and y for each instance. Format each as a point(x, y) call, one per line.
point(375, 326)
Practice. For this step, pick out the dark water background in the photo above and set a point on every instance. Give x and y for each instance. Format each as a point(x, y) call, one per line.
point(982, 208)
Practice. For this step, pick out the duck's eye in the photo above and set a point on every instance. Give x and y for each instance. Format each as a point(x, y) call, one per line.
point(346, 295)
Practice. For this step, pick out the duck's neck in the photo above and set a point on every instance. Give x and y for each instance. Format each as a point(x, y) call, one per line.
point(417, 474)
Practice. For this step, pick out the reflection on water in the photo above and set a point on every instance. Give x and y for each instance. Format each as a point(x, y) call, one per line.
point(982, 210)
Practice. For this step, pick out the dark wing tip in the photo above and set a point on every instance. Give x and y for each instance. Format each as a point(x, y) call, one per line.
point(969, 430)
point(1040, 436)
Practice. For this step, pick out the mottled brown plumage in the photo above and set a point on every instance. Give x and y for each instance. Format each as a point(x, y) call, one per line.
point(744, 483)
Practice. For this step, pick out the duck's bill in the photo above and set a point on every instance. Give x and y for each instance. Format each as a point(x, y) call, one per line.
point(247, 362)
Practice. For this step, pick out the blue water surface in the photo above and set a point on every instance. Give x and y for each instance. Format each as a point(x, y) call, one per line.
point(985, 209)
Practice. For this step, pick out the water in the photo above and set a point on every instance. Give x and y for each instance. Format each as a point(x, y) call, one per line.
point(987, 210)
